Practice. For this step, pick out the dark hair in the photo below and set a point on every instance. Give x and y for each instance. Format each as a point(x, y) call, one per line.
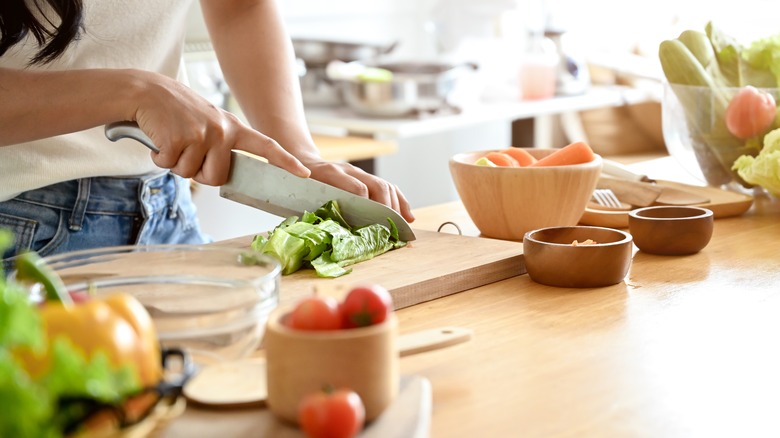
point(17, 20)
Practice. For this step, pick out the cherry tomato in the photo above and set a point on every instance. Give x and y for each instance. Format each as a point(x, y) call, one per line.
point(315, 313)
point(751, 112)
point(332, 414)
point(366, 305)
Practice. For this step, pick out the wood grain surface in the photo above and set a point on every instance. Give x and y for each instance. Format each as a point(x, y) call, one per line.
point(723, 203)
point(683, 347)
point(435, 265)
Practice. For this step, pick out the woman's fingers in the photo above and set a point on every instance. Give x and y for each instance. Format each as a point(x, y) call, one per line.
point(260, 144)
point(355, 180)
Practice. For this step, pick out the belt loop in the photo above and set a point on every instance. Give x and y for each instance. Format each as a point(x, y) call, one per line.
point(173, 209)
point(80, 206)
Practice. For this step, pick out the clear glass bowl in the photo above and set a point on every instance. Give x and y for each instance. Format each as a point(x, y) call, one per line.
point(694, 129)
point(211, 301)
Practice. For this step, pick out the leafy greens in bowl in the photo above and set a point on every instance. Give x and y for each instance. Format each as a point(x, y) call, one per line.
point(324, 241)
point(717, 92)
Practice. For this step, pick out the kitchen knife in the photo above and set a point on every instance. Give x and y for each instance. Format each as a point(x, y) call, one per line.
point(264, 186)
point(642, 186)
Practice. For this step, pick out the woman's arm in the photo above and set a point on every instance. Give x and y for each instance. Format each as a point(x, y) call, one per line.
point(41, 104)
point(195, 138)
point(258, 62)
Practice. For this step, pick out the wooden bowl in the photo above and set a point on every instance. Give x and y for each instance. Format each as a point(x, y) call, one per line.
point(507, 202)
point(300, 362)
point(671, 230)
point(552, 258)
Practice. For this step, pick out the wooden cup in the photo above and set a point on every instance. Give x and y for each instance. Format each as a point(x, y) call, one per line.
point(301, 362)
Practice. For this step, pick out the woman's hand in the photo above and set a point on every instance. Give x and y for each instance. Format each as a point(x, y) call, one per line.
point(195, 137)
point(355, 180)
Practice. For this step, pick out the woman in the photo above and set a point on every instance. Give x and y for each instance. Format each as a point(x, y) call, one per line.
point(68, 67)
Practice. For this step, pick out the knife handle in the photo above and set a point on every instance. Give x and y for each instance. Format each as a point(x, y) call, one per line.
point(128, 129)
point(618, 170)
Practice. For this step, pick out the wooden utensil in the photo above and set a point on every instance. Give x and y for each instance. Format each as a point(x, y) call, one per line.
point(242, 383)
point(723, 203)
point(632, 192)
point(640, 185)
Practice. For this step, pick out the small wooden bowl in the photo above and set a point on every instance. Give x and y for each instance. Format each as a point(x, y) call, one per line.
point(671, 230)
point(300, 362)
point(552, 258)
point(506, 202)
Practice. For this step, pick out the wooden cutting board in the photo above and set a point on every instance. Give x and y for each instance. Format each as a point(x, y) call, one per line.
point(723, 203)
point(433, 266)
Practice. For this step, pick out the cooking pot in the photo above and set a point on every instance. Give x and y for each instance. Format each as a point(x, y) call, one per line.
point(415, 88)
point(315, 54)
point(318, 52)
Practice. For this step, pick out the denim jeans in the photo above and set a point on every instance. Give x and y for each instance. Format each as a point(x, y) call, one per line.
point(103, 211)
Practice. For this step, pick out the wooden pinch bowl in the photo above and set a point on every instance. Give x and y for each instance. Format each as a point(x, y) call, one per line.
point(300, 362)
point(507, 202)
point(671, 230)
point(552, 258)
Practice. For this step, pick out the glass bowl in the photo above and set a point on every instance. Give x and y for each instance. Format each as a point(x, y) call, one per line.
point(695, 132)
point(211, 301)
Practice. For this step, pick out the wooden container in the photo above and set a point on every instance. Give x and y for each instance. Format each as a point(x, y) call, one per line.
point(507, 202)
point(671, 230)
point(300, 362)
point(601, 256)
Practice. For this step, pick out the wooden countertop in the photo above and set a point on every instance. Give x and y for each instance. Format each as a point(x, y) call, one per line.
point(685, 346)
point(352, 148)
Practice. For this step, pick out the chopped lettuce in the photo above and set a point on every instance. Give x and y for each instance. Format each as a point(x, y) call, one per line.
point(324, 241)
point(764, 169)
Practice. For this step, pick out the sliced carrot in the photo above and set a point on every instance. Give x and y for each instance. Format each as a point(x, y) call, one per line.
point(502, 159)
point(575, 153)
point(522, 156)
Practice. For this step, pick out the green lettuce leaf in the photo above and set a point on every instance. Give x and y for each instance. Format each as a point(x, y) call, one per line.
point(764, 169)
point(288, 249)
point(740, 66)
point(763, 56)
point(324, 241)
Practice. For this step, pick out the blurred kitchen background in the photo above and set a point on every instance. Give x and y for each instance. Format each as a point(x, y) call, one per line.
point(491, 73)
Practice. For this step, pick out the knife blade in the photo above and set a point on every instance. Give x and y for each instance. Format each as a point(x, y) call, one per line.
point(261, 185)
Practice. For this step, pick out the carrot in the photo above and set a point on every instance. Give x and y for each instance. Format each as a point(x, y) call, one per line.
point(522, 156)
point(575, 153)
point(502, 159)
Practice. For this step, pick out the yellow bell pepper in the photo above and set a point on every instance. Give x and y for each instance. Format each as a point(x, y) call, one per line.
point(117, 324)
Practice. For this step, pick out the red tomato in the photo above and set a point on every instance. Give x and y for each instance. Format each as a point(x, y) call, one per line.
point(315, 313)
point(751, 112)
point(366, 305)
point(332, 414)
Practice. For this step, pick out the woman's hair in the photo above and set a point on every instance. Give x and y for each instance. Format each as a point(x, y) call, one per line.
point(20, 17)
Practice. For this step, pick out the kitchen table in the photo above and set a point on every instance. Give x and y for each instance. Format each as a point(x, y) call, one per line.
point(686, 346)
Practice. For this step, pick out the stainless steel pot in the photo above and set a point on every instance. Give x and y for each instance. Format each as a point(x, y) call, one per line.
point(315, 54)
point(416, 87)
point(318, 53)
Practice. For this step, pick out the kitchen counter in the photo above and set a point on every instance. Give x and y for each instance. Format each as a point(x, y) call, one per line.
point(352, 148)
point(342, 120)
point(685, 346)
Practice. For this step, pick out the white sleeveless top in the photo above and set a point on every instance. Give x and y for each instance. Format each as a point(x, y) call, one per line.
point(142, 34)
